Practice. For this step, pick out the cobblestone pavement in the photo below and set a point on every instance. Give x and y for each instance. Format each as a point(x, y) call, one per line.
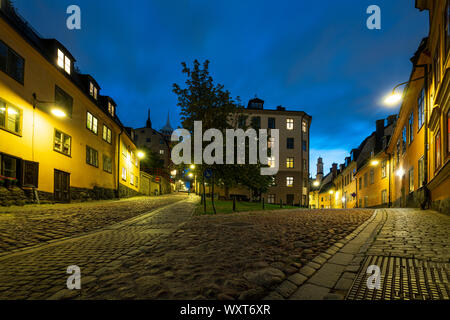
point(169, 254)
point(27, 226)
point(411, 248)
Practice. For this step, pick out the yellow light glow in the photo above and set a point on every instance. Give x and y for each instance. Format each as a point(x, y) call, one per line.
point(331, 192)
point(316, 183)
point(192, 166)
point(393, 99)
point(400, 172)
point(343, 199)
point(58, 113)
point(190, 175)
point(140, 155)
point(374, 163)
point(173, 172)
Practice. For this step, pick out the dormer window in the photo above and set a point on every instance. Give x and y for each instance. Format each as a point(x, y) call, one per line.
point(93, 91)
point(64, 61)
point(111, 109)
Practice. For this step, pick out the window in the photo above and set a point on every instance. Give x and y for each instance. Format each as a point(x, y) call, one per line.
point(161, 152)
point(420, 173)
point(92, 123)
point(290, 143)
point(10, 118)
point(448, 132)
point(384, 196)
point(271, 143)
point(271, 123)
point(256, 123)
point(290, 124)
point(111, 109)
point(304, 126)
point(91, 156)
point(131, 179)
point(11, 63)
point(64, 61)
point(124, 149)
point(93, 91)
point(9, 166)
point(161, 141)
point(124, 174)
point(271, 162)
point(437, 150)
point(271, 198)
point(404, 139)
point(290, 163)
point(274, 182)
point(360, 183)
point(437, 67)
point(365, 180)
point(366, 201)
point(289, 181)
point(411, 180)
point(372, 175)
point(305, 165)
point(136, 179)
point(304, 147)
point(62, 143)
point(107, 136)
point(107, 164)
point(421, 108)
point(411, 128)
point(383, 169)
point(63, 100)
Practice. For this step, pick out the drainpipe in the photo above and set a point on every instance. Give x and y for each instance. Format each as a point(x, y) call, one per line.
point(425, 153)
point(389, 188)
point(118, 163)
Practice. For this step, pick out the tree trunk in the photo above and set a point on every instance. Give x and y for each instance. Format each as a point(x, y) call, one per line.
point(212, 194)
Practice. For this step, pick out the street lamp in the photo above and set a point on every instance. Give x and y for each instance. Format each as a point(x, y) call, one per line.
point(192, 166)
point(141, 155)
point(316, 183)
point(394, 98)
point(374, 163)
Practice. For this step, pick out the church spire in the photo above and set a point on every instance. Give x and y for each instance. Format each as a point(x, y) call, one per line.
point(149, 121)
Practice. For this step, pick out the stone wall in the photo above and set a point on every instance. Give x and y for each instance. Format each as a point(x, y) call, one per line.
point(125, 192)
point(13, 196)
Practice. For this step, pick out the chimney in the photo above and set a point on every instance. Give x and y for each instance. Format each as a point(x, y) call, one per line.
point(334, 169)
point(341, 167)
point(391, 119)
point(379, 135)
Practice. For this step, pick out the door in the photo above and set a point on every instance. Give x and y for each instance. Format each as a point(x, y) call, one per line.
point(290, 199)
point(62, 186)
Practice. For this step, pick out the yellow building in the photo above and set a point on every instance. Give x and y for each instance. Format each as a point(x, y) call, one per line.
point(57, 133)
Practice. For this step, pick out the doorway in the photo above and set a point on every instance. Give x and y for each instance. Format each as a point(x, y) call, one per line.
point(62, 186)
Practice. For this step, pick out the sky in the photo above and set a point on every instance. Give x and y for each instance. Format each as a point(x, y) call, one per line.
point(313, 56)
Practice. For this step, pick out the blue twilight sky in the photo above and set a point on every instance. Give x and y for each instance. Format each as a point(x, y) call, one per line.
point(315, 56)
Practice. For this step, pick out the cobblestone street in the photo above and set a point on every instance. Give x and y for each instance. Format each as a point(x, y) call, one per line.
point(168, 253)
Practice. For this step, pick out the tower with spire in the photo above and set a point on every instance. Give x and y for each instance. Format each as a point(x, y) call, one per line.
point(149, 121)
point(167, 130)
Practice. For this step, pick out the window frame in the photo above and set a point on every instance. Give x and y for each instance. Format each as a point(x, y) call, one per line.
point(108, 169)
point(290, 124)
point(9, 52)
point(66, 63)
point(288, 145)
point(290, 163)
point(290, 182)
point(108, 138)
point(89, 151)
point(411, 128)
point(421, 110)
point(63, 135)
point(88, 113)
point(437, 151)
point(18, 111)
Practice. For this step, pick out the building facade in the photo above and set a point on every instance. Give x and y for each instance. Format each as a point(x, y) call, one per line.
point(58, 135)
point(291, 183)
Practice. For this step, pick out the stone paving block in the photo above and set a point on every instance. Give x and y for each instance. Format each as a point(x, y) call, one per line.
point(327, 276)
point(273, 296)
point(307, 271)
point(297, 278)
point(341, 258)
point(313, 265)
point(320, 260)
point(286, 289)
point(310, 292)
point(344, 284)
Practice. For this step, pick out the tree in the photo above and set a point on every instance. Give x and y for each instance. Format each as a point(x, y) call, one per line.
point(203, 100)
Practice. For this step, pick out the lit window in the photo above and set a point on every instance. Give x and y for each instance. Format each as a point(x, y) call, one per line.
point(161, 152)
point(289, 181)
point(10, 118)
point(92, 123)
point(383, 169)
point(290, 124)
point(93, 91)
point(304, 126)
point(271, 199)
point(124, 174)
point(91, 156)
point(62, 143)
point(107, 164)
point(290, 163)
point(411, 180)
point(131, 179)
point(111, 109)
point(107, 135)
point(64, 61)
point(271, 162)
point(420, 173)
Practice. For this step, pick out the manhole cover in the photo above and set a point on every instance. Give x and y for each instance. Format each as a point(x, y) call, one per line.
point(403, 279)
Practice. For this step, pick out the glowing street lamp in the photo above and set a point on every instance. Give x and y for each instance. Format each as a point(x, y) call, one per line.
point(316, 183)
point(141, 155)
point(192, 166)
point(374, 163)
point(191, 175)
point(400, 172)
point(393, 99)
point(58, 113)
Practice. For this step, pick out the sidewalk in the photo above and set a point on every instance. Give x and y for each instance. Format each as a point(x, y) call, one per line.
point(411, 247)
